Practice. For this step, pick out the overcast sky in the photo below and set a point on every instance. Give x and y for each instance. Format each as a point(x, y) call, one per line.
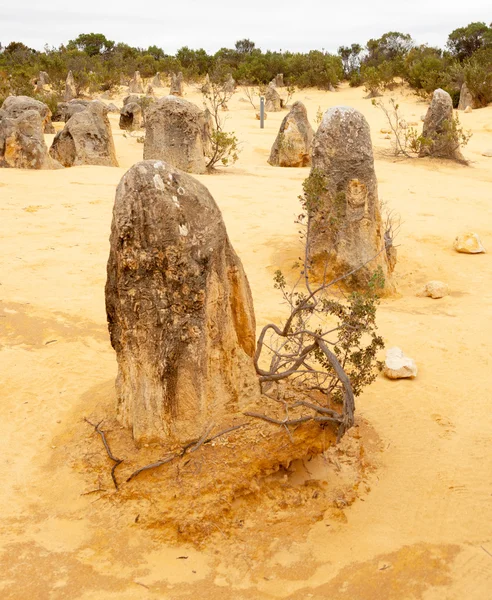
point(297, 25)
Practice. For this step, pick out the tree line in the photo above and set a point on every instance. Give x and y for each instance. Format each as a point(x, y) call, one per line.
point(99, 64)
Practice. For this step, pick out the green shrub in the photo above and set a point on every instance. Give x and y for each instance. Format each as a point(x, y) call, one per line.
point(355, 79)
point(477, 72)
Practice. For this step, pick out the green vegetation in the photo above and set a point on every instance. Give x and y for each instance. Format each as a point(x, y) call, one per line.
point(99, 64)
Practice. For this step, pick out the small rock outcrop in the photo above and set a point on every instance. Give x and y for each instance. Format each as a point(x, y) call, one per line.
point(66, 110)
point(176, 84)
point(468, 243)
point(206, 87)
point(70, 88)
point(438, 129)
point(466, 99)
point(292, 147)
point(41, 81)
point(347, 230)
point(434, 289)
point(208, 128)
point(22, 144)
point(279, 80)
point(179, 307)
point(14, 106)
point(273, 102)
point(157, 81)
point(399, 366)
point(131, 116)
point(86, 139)
point(136, 84)
point(131, 98)
point(175, 134)
point(230, 85)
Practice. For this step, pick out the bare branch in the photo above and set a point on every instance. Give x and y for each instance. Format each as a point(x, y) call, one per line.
point(192, 447)
point(117, 461)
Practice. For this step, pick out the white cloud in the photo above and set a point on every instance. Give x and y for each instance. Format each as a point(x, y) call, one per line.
point(292, 25)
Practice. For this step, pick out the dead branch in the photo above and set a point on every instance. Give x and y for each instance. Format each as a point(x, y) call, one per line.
point(99, 489)
point(210, 439)
point(316, 407)
point(159, 463)
point(192, 447)
point(297, 421)
point(117, 461)
point(202, 439)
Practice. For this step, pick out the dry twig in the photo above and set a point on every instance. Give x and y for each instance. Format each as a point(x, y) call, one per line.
point(192, 447)
point(117, 461)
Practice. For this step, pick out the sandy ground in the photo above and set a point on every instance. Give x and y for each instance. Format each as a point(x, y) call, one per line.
point(422, 529)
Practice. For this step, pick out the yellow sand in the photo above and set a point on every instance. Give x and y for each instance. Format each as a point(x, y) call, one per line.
point(423, 531)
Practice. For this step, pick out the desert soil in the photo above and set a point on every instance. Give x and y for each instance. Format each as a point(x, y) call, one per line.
point(421, 525)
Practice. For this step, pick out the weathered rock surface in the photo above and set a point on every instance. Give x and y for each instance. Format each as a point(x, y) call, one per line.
point(136, 84)
point(466, 99)
point(292, 147)
point(273, 102)
point(131, 116)
point(132, 98)
point(86, 139)
point(468, 110)
point(207, 132)
point(66, 110)
point(230, 85)
point(157, 81)
point(176, 134)
point(347, 229)
point(434, 289)
point(14, 106)
point(112, 108)
point(438, 129)
point(206, 86)
point(399, 366)
point(70, 88)
point(42, 80)
point(149, 90)
point(176, 84)
point(179, 307)
point(279, 80)
point(468, 243)
point(22, 144)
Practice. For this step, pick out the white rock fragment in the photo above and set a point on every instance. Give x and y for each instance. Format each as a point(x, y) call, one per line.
point(434, 289)
point(159, 184)
point(468, 243)
point(399, 366)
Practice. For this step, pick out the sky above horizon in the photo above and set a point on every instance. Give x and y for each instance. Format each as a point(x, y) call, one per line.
point(292, 25)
